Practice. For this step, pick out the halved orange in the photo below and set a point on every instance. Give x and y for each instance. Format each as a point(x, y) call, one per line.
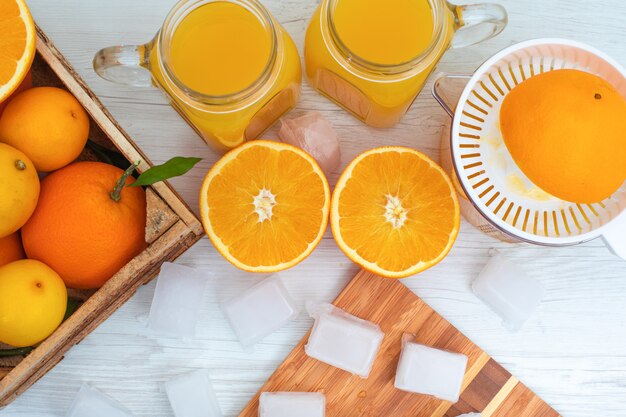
point(395, 212)
point(17, 45)
point(265, 205)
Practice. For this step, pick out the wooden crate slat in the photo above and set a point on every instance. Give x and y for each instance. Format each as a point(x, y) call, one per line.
point(160, 216)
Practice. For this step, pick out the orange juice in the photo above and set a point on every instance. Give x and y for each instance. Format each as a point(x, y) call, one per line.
point(231, 71)
point(386, 32)
point(372, 57)
point(220, 49)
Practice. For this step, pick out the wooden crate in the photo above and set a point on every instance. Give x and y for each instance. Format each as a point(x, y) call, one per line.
point(171, 229)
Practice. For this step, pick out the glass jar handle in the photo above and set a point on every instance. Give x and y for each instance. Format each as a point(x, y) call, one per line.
point(126, 64)
point(477, 22)
point(447, 90)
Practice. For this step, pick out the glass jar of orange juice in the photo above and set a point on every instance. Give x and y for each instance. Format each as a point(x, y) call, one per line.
point(227, 66)
point(372, 57)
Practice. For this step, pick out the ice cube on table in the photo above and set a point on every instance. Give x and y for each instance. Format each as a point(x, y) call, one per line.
point(343, 340)
point(508, 290)
point(426, 370)
point(90, 402)
point(177, 300)
point(313, 133)
point(192, 395)
point(260, 311)
point(292, 404)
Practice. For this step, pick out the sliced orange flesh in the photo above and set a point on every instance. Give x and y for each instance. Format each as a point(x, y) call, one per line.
point(17, 45)
point(265, 205)
point(394, 212)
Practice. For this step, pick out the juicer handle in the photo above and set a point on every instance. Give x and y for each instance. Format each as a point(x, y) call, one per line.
point(439, 95)
point(615, 236)
point(126, 64)
point(477, 22)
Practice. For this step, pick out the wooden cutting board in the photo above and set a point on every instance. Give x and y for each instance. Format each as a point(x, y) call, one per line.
point(488, 388)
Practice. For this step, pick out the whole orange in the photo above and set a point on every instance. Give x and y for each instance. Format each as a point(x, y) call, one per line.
point(11, 248)
point(48, 124)
point(79, 230)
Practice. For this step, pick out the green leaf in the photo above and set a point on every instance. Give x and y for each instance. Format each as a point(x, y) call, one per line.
point(173, 168)
point(7, 353)
point(72, 306)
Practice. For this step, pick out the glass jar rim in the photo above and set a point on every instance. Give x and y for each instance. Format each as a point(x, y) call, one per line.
point(179, 12)
point(328, 9)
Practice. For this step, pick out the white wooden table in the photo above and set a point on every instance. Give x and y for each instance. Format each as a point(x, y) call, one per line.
point(572, 352)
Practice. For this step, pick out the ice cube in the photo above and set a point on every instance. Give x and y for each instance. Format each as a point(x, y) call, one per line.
point(192, 395)
point(313, 133)
point(430, 371)
point(90, 402)
point(291, 404)
point(470, 415)
point(177, 300)
point(508, 290)
point(260, 311)
point(343, 340)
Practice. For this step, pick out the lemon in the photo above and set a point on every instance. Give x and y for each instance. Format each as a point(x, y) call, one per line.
point(19, 189)
point(33, 300)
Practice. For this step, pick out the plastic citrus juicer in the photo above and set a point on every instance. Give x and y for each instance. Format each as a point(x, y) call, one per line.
point(495, 194)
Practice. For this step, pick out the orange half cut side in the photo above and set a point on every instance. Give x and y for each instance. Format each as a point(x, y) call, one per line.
point(395, 212)
point(265, 206)
point(17, 45)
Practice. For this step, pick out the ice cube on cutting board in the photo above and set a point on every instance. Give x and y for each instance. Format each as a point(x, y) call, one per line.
point(292, 404)
point(192, 395)
point(343, 340)
point(90, 402)
point(508, 290)
point(426, 370)
point(260, 311)
point(177, 300)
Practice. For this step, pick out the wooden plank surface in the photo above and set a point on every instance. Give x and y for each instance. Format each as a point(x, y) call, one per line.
point(572, 351)
point(487, 387)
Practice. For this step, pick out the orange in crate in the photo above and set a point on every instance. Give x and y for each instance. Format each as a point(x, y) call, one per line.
point(11, 248)
point(78, 228)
